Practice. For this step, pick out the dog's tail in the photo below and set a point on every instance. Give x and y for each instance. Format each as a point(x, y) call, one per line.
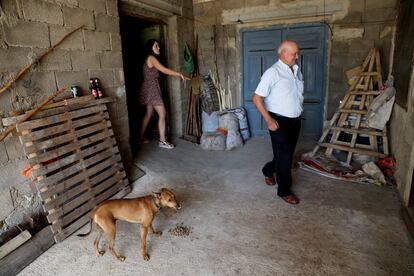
point(91, 223)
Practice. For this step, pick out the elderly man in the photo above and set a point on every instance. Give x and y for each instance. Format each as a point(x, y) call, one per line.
point(281, 88)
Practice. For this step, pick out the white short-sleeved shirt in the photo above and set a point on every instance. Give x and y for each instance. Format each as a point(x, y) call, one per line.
point(282, 90)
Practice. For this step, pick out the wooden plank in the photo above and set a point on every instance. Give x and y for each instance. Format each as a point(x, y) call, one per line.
point(331, 123)
point(109, 143)
point(29, 125)
point(87, 111)
point(360, 131)
point(114, 191)
point(369, 73)
point(106, 174)
point(69, 101)
point(53, 142)
point(45, 169)
point(372, 138)
point(356, 111)
point(35, 159)
point(367, 59)
point(13, 263)
point(14, 243)
point(68, 231)
point(360, 146)
point(341, 120)
point(346, 104)
point(90, 129)
point(92, 119)
point(355, 150)
point(78, 224)
point(114, 184)
point(378, 66)
point(36, 135)
point(83, 142)
point(60, 211)
point(59, 118)
point(58, 110)
point(65, 196)
point(374, 93)
point(98, 158)
point(82, 209)
point(48, 191)
point(55, 178)
point(40, 158)
point(385, 141)
point(355, 135)
point(102, 166)
point(93, 163)
point(60, 236)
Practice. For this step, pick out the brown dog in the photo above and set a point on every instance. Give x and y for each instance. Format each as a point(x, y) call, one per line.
point(136, 210)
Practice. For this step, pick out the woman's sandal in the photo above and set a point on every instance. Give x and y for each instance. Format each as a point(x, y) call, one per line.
point(165, 145)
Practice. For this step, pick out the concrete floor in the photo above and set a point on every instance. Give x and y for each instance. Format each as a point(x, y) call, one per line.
point(240, 226)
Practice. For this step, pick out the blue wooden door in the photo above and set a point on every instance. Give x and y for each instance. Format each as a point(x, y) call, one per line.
point(259, 53)
point(311, 40)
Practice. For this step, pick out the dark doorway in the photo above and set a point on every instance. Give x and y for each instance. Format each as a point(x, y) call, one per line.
point(134, 34)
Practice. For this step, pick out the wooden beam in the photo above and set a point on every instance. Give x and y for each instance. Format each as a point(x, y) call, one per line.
point(360, 131)
point(14, 243)
point(353, 111)
point(13, 263)
point(355, 150)
point(374, 92)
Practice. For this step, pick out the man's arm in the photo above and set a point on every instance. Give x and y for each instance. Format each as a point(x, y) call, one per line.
point(271, 123)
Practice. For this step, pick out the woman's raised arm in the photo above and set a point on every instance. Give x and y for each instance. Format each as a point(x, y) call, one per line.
point(154, 62)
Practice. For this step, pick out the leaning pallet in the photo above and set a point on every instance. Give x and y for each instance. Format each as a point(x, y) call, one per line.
point(347, 131)
point(75, 164)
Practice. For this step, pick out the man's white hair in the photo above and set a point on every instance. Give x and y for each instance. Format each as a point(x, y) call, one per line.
point(283, 45)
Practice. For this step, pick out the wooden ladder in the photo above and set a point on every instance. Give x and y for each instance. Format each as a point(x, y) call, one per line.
point(349, 120)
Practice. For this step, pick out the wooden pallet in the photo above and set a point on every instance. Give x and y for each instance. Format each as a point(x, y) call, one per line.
point(75, 164)
point(349, 119)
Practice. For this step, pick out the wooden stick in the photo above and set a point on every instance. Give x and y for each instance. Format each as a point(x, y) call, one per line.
point(27, 67)
point(31, 113)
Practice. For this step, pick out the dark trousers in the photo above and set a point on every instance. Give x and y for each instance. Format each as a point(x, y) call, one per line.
point(284, 141)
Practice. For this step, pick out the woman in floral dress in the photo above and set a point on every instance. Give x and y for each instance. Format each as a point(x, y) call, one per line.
point(150, 94)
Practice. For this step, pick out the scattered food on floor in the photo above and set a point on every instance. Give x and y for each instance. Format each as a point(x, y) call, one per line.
point(180, 230)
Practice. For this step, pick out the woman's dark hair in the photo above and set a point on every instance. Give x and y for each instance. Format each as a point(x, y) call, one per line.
point(148, 48)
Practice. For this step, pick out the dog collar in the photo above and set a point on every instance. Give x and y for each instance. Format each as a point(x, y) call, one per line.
point(155, 203)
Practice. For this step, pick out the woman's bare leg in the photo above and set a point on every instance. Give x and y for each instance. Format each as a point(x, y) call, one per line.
point(147, 117)
point(161, 121)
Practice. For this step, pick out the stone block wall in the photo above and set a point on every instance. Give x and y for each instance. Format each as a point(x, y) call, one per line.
point(362, 28)
point(27, 29)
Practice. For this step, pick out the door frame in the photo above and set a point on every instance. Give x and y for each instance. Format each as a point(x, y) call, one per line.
point(326, 48)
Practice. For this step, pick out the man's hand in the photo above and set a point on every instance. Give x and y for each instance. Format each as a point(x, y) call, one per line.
point(272, 124)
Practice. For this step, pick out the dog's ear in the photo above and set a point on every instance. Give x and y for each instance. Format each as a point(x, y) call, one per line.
point(156, 194)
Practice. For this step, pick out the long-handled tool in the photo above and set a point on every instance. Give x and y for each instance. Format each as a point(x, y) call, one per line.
point(27, 67)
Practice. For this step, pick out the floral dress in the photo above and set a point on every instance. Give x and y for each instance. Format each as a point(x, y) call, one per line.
point(150, 92)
